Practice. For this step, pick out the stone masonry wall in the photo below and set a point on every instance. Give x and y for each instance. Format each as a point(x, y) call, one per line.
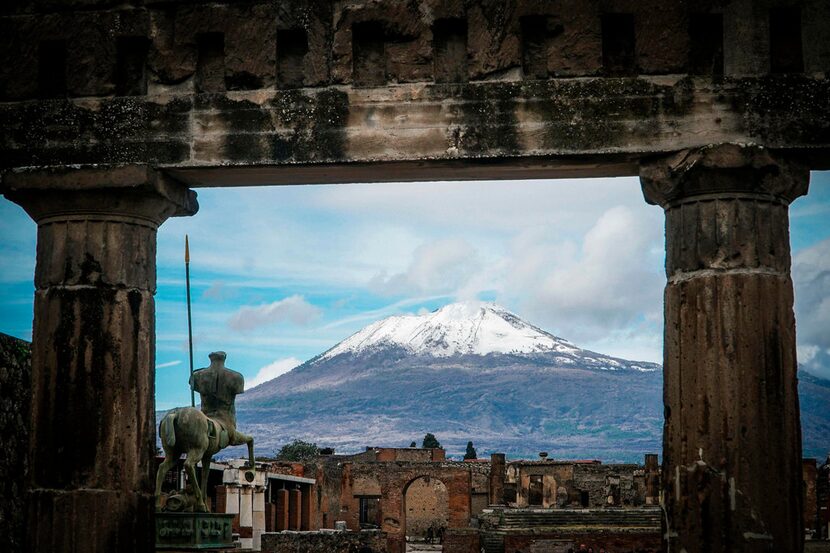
point(324, 542)
point(15, 391)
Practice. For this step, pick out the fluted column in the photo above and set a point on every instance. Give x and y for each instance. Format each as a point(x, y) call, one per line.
point(93, 422)
point(731, 478)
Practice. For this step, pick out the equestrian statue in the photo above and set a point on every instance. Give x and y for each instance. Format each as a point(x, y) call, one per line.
point(200, 434)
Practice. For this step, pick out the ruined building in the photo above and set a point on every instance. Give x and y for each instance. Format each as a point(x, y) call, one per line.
point(112, 112)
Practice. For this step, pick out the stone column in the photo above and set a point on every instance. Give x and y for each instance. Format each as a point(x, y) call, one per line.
point(295, 520)
point(282, 510)
point(92, 441)
point(731, 478)
point(497, 462)
point(652, 479)
point(258, 515)
point(246, 516)
point(305, 508)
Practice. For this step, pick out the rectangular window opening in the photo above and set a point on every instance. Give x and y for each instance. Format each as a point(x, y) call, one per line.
point(369, 508)
point(292, 47)
point(785, 46)
point(210, 65)
point(368, 55)
point(130, 66)
point(535, 493)
point(618, 44)
point(706, 44)
point(449, 47)
point(51, 69)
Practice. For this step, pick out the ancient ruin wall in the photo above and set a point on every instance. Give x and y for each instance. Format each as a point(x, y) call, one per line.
point(427, 507)
point(324, 542)
point(15, 392)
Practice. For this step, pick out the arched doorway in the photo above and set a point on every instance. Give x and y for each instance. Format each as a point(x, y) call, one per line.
point(426, 513)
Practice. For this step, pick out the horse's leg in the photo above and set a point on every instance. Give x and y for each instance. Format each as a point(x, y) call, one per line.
point(164, 468)
point(205, 474)
point(193, 457)
point(239, 439)
point(250, 441)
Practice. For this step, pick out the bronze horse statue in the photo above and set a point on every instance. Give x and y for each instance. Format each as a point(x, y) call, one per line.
point(200, 434)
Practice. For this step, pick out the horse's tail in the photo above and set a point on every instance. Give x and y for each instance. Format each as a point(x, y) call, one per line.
point(167, 430)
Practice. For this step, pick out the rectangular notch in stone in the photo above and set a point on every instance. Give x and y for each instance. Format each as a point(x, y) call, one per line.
point(368, 56)
point(131, 66)
point(51, 69)
point(210, 65)
point(292, 46)
point(619, 55)
point(449, 51)
point(534, 46)
point(706, 44)
point(785, 46)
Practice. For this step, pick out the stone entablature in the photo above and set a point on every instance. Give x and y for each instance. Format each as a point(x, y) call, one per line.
point(561, 88)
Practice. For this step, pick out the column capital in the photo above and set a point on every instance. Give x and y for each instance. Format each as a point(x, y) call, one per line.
point(128, 193)
point(730, 170)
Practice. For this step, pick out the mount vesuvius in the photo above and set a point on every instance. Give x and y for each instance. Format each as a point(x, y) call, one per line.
point(473, 371)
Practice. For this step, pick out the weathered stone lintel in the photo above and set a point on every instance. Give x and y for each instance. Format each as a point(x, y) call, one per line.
point(300, 131)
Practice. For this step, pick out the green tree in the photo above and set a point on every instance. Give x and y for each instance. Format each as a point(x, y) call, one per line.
point(298, 450)
point(471, 452)
point(413, 444)
point(430, 442)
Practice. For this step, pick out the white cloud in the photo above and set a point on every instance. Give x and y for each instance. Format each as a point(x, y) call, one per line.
point(294, 309)
point(170, 364)
point(272, 371)
point(219, 290)
point(811, 280)
point(439, 266)
point(610, 281)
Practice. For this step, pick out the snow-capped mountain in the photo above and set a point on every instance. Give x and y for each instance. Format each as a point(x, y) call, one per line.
point(472, 328)
point(475, 328)
point(471, 371)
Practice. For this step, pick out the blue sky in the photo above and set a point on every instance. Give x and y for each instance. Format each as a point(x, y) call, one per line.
point(281, 274)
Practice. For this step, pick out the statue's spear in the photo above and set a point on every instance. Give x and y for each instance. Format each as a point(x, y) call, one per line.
point(189, 321)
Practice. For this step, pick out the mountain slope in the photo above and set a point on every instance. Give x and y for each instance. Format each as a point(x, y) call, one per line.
point(472, 372)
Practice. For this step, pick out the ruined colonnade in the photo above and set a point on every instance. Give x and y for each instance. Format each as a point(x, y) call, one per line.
point(732, 435)
point(110, 112)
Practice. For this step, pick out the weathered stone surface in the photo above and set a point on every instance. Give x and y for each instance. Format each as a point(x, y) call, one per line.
point(340, 483)
point(461, 540)
point(497, 475)
point(93, 355)
point(422, 124)
point(405, 116)
point(15, 409)
point(732, 437)
point(324, 542)
point(610, 540)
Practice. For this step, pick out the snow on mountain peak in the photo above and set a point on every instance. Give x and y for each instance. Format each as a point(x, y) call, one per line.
point(473, 327)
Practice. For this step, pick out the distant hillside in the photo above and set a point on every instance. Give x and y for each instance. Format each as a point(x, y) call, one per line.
point(477, 372)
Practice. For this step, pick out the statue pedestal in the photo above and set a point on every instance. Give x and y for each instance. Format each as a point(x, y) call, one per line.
point(194, 531)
